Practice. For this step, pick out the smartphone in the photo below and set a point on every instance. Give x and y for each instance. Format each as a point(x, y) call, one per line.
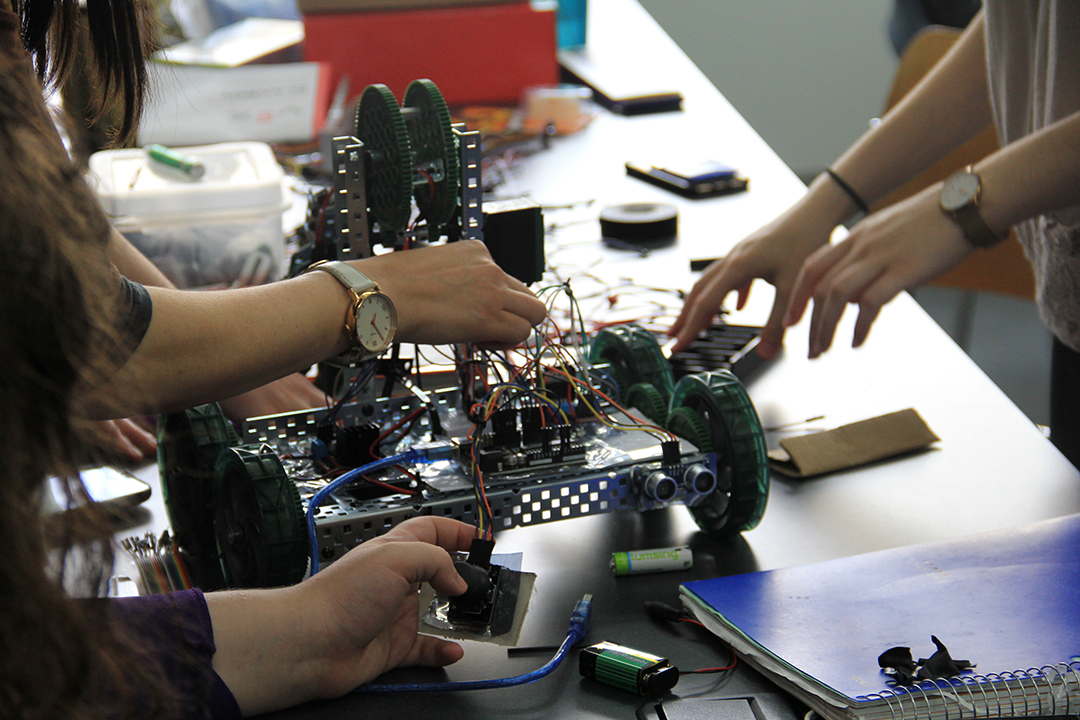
point(110, 487)
point(701, 179)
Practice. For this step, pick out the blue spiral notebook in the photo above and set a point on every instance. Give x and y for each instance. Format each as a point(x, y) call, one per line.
point(1008, 601)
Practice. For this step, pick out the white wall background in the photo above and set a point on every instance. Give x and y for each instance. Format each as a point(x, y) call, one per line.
point(808, 76)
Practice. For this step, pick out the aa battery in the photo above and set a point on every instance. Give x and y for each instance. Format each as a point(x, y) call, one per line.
point(622, 667)
point(636, 562)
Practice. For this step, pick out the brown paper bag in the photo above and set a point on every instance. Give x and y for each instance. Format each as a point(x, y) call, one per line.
point(852, 445)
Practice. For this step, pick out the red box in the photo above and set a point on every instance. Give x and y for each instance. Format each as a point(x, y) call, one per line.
point(482, 54)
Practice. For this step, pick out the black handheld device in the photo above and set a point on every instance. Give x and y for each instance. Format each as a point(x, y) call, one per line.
point(696, 180)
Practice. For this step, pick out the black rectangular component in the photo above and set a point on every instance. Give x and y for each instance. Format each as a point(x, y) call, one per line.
point(514, 235)
point(721, 347)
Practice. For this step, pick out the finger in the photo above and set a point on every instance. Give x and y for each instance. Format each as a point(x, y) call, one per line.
point(509, 331)
point(701, 312)
point(451, 535)
point(430, 651)
point(143, 442)
point(884, 289)
point(772, 333)
point(526, 305)
point(843, 285)
point(691, 299)
point(743, 296)
point(816, 267)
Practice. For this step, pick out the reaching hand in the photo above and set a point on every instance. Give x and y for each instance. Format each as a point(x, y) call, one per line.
point(127, 438)
point(774, 253)
point(455, 293)
point(896, 249)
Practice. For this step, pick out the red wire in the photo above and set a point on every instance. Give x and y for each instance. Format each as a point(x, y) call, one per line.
point(408, 418)
point(388, 486)
point(431, 183)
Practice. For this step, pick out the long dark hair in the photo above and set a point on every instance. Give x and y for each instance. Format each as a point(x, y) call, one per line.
point(59, 657)
point(121, 37)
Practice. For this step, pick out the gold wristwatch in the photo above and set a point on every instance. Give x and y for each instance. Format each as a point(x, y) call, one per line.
point(960, 200)
point(371, 319)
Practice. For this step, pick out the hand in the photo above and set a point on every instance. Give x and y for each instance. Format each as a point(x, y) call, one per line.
point(343, 627)
point(455, 293)
point(125, 438)
point(774, 253)
point(370, 602)
point(896, 249)
point(289, 394)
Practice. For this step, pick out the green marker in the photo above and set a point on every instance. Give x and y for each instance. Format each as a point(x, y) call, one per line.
point(190, 166)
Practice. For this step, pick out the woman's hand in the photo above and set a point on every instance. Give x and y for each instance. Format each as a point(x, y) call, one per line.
point(455, 293)
point(370, 602)
point(344, 626)
point(126, 438)
point(896, 249)
point(774, 253)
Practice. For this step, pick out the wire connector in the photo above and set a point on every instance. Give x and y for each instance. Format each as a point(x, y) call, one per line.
point(579, 621)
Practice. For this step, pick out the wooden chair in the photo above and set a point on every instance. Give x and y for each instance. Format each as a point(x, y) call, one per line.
point(1003, 268)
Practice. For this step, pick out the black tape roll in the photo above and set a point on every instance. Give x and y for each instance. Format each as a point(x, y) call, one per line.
point(650, 224)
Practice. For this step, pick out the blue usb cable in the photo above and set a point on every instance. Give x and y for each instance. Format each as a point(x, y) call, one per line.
point(579, 626)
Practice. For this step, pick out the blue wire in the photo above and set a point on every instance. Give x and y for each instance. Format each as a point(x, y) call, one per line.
point(409, 456)
point(579, 626)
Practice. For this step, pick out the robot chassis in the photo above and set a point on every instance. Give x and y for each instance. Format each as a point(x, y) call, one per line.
point(237, 501)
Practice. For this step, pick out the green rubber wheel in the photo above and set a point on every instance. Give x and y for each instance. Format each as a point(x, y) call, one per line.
point(259, 521)
point(435, 153)
point(633, 356)
point(189, 443)
point(734, 428)
point(648, 400)
point(688, 424)
point(388, 171)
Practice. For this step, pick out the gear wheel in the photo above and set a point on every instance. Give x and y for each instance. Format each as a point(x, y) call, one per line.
point(689, 424)
point(735, 431)
point(258, 521)
point(648, 400)
point(389, 170)
point(189, 443)
point(434, 152)
point(634, 356)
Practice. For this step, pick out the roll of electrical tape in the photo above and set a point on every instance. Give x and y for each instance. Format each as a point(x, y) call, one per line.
point(640, 223)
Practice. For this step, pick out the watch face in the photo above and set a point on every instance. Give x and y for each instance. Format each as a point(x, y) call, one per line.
point(959, 190)
point(376, 322)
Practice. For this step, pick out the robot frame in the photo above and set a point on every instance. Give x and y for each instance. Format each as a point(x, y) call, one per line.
point(563, 430)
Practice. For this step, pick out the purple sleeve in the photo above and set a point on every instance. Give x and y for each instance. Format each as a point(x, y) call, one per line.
point(176, 628)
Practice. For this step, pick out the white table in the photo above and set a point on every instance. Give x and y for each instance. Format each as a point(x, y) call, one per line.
point(992, 469)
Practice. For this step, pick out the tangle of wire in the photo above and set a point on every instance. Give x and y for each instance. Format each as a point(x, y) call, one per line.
point(553, 355)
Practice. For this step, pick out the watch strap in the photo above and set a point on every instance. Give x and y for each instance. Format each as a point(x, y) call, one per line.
point(357, 284)
point(975, 229)
point(347, 275)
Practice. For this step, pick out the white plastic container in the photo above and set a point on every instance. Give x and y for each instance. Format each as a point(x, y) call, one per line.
point(222, 229)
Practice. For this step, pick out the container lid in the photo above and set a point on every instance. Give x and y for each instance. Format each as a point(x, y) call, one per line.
point(237, 175)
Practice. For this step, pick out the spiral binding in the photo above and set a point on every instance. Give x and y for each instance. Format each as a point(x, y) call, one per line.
point(1046, 691)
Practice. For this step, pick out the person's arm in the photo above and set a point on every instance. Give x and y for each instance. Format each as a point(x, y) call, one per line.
point(342, 627)
point(913, 241)
point(204, 346)
point(288, 394)
point(948, 107)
